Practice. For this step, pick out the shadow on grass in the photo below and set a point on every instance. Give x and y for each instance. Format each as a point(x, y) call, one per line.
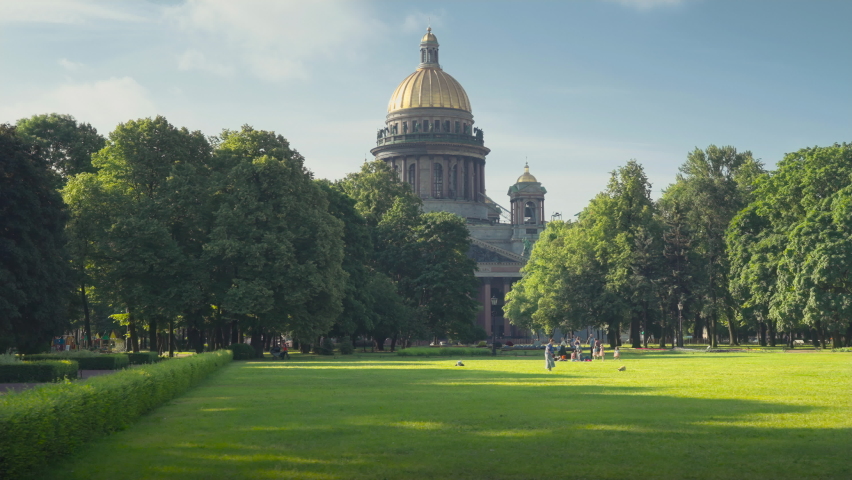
point(250, 422)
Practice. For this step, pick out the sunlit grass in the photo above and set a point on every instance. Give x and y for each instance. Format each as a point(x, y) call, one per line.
point(667, 416)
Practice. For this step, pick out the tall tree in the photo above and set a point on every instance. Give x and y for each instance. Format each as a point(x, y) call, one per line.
point(277, 249)
point(137, 259)
point(713, 185)
point(790, 247)
point(34, 270)
point(65, 144)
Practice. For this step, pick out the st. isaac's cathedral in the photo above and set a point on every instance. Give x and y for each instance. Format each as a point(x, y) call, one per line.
point(430, 141)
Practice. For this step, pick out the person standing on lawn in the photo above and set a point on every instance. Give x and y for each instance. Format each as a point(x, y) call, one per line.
point(548, 356)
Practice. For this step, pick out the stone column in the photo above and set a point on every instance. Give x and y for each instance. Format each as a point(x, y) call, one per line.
point(487, 309)
point(507, 327)
point(445, 162)
point(482, 179)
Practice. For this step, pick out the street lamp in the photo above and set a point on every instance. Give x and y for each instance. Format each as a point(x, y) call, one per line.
point(680, 324)
point(493, 333)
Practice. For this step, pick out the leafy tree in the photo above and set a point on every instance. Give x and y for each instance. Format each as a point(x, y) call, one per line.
point(137, 258)
point(66, 145)
point(713, 185)
point(277, 250)
point(34, 271)
point(375, 189)
point(790, 247)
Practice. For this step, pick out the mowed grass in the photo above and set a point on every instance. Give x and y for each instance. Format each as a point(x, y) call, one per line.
point(758, 415)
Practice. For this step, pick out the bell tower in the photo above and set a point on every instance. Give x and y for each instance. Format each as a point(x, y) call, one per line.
point(526, 197)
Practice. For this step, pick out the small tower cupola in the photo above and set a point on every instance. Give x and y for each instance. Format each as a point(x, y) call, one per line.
point(429, 50)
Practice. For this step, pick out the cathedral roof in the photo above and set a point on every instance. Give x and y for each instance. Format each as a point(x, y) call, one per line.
point(429, 86)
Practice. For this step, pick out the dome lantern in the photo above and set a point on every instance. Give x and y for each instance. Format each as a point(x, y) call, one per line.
point(527, 177)
point(429, 50)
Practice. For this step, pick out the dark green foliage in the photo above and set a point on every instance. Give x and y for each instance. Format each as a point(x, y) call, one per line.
point(325, 348)
point(143, 358)
point(66, 145)
point(242, 351)
point(346, 347)
point(39, 425)
point(115, 361)
point(34, 268)
point(41, 371)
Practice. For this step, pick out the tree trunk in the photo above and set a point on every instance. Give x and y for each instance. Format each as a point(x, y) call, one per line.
point(152, 334)
point(772, 334)
point(171, 337)
point(820, 334)
point(257, 341)
point(849, 334)
point(379, 344)
point(393, 343)
point(86, 319)
point(645, 329)
point(761, 333)
point(131, 329)
point(235, 331)
point(635, 341)
point(732, 334)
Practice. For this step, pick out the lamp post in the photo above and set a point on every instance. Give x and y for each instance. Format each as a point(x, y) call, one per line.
point(493, 333)
point(680, 324)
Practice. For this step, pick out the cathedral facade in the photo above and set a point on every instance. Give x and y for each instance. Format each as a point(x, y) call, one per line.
point(430, 140)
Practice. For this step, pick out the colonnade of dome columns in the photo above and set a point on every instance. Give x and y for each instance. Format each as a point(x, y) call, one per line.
point(442, 176)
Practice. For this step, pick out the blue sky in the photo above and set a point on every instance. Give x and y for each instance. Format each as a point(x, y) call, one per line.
point(578, 87)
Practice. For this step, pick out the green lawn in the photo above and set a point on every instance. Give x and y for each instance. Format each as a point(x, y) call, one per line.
point(757, 415)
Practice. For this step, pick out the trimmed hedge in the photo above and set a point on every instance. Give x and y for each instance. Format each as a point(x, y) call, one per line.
point(41, 424)
point(115, 361)
point(242, 351)
point(40, 371)
point(143, 358)
point(444, 352)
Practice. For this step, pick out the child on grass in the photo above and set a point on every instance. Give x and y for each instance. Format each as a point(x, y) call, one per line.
point(616, 354)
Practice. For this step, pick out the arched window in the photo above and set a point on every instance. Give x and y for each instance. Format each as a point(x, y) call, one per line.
point(529, 213)
point(439, 180)
point(412, 176)
point(454, 178)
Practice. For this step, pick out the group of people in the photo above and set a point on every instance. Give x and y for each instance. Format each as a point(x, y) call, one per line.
point(596, 348)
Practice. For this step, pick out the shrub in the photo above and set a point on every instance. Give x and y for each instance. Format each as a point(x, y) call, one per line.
point(143, 358)
point(115, 361)
point(9, 358)
point(40, 371)
point(242, 351)
point(482, 344)
point(346, 347)
point(40, 424)
point(498, 345)
point(325, 348)
point(509, 343)
point(443, 352)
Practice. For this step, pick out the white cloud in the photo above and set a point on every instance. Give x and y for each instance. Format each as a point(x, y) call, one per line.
point(69, 65)
point(194, 60)
point(275, 40)
point(104, 104)
point(62, 11)
point(648, 4)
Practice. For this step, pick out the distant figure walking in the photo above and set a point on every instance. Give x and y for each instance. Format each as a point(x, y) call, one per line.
point(548, 356)
point(616, 354)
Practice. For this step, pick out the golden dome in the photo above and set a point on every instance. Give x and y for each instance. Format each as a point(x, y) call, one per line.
point(527, 176)
point(429, 87)
point(429, 37)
